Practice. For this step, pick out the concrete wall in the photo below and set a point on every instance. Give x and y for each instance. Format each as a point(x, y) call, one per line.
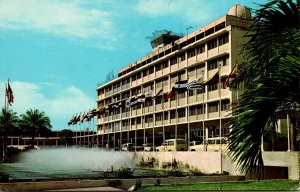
point(210, 162)
point(284, 159)
point(206, 162)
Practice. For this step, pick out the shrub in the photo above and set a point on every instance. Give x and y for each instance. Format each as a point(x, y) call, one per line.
point(124, 172)
point(196, 172)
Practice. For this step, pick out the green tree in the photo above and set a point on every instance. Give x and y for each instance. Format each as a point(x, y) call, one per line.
point(269, 79)
point(8, 126)
point(35, 122)
point(66, 137)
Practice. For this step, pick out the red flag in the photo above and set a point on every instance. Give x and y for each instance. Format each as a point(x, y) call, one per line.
point(9, 94)
point(230, 76)
point(170, 93)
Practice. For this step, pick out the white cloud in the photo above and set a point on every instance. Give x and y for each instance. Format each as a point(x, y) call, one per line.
point(63, 18)
point(60, 107)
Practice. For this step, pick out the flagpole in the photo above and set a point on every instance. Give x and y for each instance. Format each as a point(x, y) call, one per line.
point(203, 112)
point(176, 116)
point(188, 118)
point(153, 103)
point(163, 120)
point(143, 112)
point(220, 126)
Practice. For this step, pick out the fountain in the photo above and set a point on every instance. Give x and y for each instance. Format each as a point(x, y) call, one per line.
point(61, 163)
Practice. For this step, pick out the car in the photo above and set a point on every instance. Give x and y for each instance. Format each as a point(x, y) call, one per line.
point(173, 145)
point(148, 147)
point(127, 147)
point(210, 144)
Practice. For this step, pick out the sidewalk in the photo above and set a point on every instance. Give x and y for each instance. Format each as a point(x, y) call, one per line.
point(90, 189)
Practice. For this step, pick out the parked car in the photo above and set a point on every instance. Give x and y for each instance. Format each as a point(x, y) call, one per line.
point(210, 144)
point(127, 147)
point(148, 147)
point(173, 145)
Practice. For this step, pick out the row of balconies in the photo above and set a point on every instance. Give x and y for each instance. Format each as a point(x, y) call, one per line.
point(173, 68)
point(197, 98)
point(195, 118)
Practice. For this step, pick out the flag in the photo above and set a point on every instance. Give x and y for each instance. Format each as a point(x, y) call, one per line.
point(76, 119)
point(170, 93)
point(133, 101)
point(230, 76)
point(141, 98)
point(107, 109)
point(213, 79)
point(72, 120)
point(127, 103)
point(9, 94)
point(158, 94)
point(83, 117)
point(196, 84)
point(180, 86)
point(148, 96)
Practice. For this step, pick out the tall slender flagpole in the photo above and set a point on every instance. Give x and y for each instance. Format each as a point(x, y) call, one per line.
point(188, 118)
point(220, 126)
point(203, 112)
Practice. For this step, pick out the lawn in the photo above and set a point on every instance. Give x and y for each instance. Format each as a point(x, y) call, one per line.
point(250, 185)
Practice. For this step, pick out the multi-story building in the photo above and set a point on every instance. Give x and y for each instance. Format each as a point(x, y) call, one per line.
point(132, 114)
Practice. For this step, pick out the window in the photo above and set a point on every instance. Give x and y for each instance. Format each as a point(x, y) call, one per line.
point(138, 75)
point(200, 49)
point(158, 67)
point(209, 31)
point(172, 114)
point(192, 111)
point(213, 64)
point(151, 70)
point(200, 110)
point(165, 64)
point(158, 100)
point(212, 44)
point(200, 36)
point(148, 103)
point(145, 73)
point(220, 26)
point(191, 93)
point(212, 87)
point(173, 60)
point(181, 57)
point(181, 113)
point(132, 121)
point(223, 61)
point(148, 119)
point(225, 105)
point(199, 91)
point(158, 117)
point(223, 39)
point(166, 115)
point(213, 107)
point(138, 120)
point(191, 53)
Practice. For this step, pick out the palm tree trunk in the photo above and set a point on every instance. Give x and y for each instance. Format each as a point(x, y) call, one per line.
point(32, 138)
point(273, 139)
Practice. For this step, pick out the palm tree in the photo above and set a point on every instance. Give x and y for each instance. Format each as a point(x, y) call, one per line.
point(269, 79)
point(8, 125)
point(34, 122)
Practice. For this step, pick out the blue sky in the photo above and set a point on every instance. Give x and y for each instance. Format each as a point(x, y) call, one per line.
point(56, 52)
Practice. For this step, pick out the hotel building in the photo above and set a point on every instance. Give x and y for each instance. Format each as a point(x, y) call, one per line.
point(192, 114)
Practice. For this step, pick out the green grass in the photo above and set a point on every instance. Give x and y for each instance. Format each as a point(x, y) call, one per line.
point(236, 186)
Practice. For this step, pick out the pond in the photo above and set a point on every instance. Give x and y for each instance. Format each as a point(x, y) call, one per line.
point(72, 163)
